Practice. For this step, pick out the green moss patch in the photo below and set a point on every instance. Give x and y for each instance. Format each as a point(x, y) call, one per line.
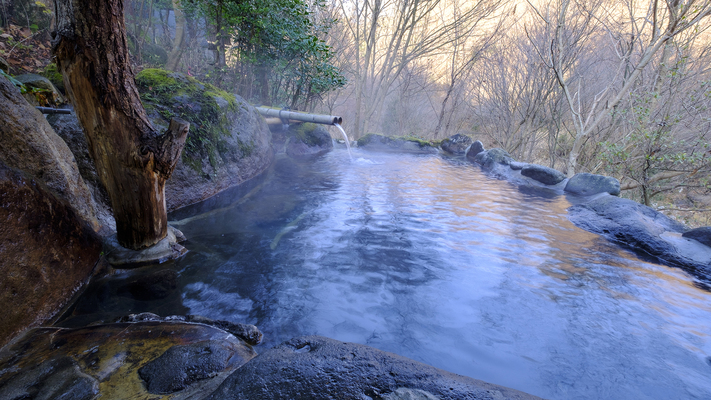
point(52, 73)
point(171, 94)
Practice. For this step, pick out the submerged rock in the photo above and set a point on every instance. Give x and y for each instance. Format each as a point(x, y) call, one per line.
point(586, 184)
point(456, 144)
point(643, 229)
point(314, 367)
point(156, 285)
point(377, 142)
point(545, 175)
point(47, 252)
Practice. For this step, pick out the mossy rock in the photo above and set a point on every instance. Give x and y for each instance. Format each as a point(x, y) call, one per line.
point(312, 134)
point(228, 141)
point(167, 94)
point(39, 91)
point(405, 144)
point(308, 139)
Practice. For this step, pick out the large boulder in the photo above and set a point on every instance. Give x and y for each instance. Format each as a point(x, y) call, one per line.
point(643, 229)
point(47, 252)
point(314, 367)
point(585, 184)
point(404, 144)
point(68, 128)
point(228, 143)
point(28, 143)
point(456, 144)
point(476, 148)
point(545, 175)
point(307, 139)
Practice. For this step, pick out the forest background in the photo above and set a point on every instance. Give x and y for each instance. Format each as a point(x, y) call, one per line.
point(613, 87)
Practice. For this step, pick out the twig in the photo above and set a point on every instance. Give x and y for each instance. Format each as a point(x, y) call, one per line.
point(20, 42)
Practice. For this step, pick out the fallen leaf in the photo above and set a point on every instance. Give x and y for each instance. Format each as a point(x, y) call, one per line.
point(25, 32)
point(5, 36)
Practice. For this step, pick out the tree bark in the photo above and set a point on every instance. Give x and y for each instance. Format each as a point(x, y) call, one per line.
point(132, 159)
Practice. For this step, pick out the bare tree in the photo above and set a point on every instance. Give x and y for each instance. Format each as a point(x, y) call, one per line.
point(467, 44)
point(574, 23)
point(514, 96)
point(391, 34)
point(661, 137)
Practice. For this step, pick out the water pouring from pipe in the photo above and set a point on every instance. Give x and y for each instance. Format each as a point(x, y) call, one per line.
point(345, 137)
point(287, 115)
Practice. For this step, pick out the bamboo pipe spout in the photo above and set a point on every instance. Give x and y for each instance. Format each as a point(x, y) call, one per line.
point(286, 115)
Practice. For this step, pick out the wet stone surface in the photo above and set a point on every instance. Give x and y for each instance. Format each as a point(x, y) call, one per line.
point(176, 359)
point(586, 184)
point(315, 367)
point(545, 175)
point(181, 366)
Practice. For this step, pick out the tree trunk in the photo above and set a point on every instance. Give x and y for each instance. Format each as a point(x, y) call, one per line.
point(133, 161)
point(263, 78)
point(179, 42)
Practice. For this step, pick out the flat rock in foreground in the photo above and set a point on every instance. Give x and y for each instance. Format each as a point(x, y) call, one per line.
point(120, 361)
point(315, 367)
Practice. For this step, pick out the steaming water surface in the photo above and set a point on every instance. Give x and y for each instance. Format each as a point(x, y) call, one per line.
point(429, 258)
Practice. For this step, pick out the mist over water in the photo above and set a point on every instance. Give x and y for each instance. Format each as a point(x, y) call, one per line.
point(429, 258)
